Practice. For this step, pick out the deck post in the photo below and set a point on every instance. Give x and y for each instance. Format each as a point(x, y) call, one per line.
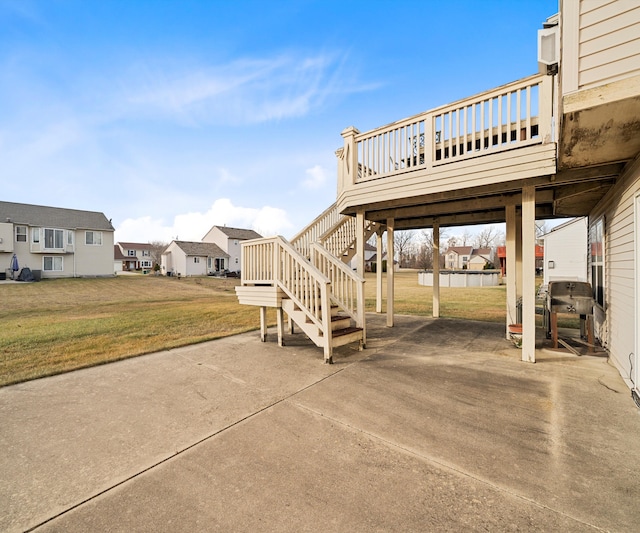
point(390, 281)
point(379, 232)
point(528, 273)
point(510, 217)
point(263, 324)
point(436, 269)
point(280, 322)
point(360, 242)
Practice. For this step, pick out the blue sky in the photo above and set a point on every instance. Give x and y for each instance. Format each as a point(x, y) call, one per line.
point(172, 116)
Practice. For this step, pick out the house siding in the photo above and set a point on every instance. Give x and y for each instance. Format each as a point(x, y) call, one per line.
point(600, 42)
point(567, 247)
point(616, 324)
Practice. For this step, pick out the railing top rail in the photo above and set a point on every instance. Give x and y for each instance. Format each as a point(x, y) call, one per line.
point(496, 91)
point(335, 261)
point(324, 214)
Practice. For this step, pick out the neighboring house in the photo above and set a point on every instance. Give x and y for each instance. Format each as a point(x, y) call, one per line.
point(55, 241)
point(119, 259)
point(566, 251)
point(230, 240)
point(369, 257)
point(185, 258)
point(457, 257)
point(137, 256)
point(467, 257)
point(480, 258)
point(501, 254)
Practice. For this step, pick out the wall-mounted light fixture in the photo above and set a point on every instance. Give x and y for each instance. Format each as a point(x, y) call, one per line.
point(552, 264)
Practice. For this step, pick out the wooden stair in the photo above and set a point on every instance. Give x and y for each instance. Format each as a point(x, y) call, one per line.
point(342, 329)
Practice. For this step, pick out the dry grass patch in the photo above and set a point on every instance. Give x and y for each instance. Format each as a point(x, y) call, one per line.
point(60, 325)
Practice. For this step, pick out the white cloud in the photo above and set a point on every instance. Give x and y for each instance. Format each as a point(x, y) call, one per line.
point(266, 220)
point(316, 179)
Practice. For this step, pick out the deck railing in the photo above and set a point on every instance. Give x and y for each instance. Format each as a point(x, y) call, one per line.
point(512, 116)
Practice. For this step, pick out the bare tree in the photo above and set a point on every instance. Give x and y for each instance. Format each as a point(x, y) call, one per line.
point(466, 237)
point(155, 251)
point(452, 241)
point(402, 242)
point(487, 238)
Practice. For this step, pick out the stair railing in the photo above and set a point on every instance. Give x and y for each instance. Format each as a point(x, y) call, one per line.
point(347, 287)
point(321, 225)
point(275, 261)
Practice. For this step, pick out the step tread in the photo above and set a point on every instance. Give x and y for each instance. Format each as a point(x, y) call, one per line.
point(346, 331)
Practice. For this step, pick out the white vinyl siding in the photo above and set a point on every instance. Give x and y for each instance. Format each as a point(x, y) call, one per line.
point(608, 41)
point(615, 325)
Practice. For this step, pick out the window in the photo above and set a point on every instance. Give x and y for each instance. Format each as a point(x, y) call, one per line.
point(35, 235)
point(196, 259)
point(235, 242)
point(131, 253)
point(70, 238)
point(21, 233)
point(53, 238)
point(93, 238)
point(146, 264)
point(596, 245)
point(145, 253)
point(52, 263)
point(236, 260)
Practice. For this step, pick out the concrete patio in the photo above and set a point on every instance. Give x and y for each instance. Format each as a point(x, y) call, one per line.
point(437, 426)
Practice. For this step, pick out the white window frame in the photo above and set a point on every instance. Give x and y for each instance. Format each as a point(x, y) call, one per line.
point(597, 273)
point(21, 233)
point(96, 238)
point(196, 259)
point(56, 260)
point(35, 235)
point(56, 232)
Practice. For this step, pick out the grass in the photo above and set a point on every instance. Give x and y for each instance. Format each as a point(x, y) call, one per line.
point(61, 325)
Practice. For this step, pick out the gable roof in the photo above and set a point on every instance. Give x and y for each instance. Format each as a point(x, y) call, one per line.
point(118, 255)
point(201, 249)
point(460, 250)
point(239, 233)
point(134, 246)
point(56, 217)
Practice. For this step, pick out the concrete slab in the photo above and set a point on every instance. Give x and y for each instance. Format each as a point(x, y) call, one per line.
point(438, 426)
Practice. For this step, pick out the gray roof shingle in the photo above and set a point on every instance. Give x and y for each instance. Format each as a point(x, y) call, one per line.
point(201, 249)
point(239, 233)
point(56, 217)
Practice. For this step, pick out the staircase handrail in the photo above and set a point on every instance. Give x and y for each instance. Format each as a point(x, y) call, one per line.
point(312, 232)
point(347, 287)
point(273, 260)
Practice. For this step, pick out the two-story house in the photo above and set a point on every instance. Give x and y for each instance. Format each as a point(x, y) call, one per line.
point(137, 256)
point(230, 240)
point(56, 242)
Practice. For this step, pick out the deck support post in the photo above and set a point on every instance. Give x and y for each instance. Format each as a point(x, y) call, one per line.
point(390, 280)
point(280, 323)
point(528, 273)
point(263, 324)
point(360, 242)
point(436, 269)
point(379, 232)
point(512, 297)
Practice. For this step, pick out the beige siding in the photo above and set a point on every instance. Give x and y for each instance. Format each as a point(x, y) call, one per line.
point(616, 324)
point(608, 41)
